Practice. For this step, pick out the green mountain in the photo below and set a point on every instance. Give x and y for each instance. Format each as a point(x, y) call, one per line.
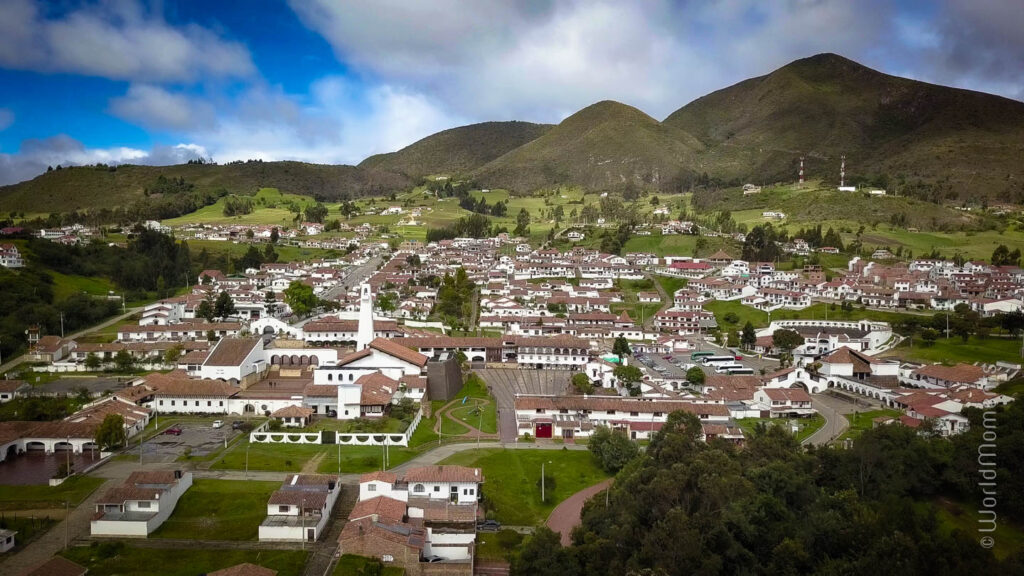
point(457, 151)
point(968, 144)
point(605, 145)
point(100, 187)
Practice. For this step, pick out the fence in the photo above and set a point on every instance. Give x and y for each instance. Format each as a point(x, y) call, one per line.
point(263, 435)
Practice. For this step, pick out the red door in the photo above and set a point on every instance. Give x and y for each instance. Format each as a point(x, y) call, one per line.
point(543, 430)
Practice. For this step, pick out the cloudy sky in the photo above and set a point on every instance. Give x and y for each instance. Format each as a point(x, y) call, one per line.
point(333, 81)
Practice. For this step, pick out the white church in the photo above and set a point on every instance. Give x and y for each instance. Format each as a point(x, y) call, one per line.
point(261, 374)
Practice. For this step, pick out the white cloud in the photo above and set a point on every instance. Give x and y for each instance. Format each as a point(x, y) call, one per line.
point(154, 107)
point(35, 155)
point(542, 61)
point(116, 40)
point(6, 118)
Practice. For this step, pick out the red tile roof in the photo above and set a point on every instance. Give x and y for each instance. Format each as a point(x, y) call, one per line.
point(443, 474)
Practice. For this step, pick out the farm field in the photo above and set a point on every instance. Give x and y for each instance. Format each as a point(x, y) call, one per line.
point(954, 350)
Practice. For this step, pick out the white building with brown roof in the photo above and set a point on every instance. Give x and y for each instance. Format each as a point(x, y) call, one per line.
point(139, 505)
point(300, 509)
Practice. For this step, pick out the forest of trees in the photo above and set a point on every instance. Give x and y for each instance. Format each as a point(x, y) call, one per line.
point(689, 507)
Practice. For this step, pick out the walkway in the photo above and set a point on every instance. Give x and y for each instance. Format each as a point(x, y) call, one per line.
point(567, 515)
point(474, 432)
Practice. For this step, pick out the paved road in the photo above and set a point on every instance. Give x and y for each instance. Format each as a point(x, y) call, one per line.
point(833, 408)
point(567, 515)
point(353, 277)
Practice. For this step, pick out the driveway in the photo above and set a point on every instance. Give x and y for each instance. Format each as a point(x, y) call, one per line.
point(833, 408)
point(568, 514)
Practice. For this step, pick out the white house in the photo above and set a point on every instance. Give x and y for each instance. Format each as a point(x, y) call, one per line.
point(6, 540)
point(141, 504)
point(234, 359)
point(300, 509)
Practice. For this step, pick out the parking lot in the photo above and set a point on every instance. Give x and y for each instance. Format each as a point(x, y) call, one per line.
point(674, 366)
point(197, 438)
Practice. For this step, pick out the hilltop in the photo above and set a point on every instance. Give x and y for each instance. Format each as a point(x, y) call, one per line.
point(457, 151)
point(87, 187)
point(826, 105)
point(605, 145)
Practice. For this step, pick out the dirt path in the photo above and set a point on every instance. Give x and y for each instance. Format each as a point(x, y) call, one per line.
point(566, 515)
point(310, 466)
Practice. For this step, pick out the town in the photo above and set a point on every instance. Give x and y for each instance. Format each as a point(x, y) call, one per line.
point(352, 351)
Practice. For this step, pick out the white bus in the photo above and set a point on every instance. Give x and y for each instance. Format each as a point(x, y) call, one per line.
point(718, 360)
point(727, 368)
point(741, 370)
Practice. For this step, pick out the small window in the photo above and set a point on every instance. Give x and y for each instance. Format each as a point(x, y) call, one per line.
point(437, 488)
point(221, 402)
point(418, 488)
point(209, 403)
point(172, 402)
point(161, 402)
point(144, 504)
point(371, 488)
point(197, 402)
point(283, 508)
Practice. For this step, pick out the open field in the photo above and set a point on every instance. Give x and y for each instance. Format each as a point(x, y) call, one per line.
point(807, 426)
point(73, 490)
point(219, 510)
point(953, 350)
point(65, 285)
point(512, 480)
point(270, 207)
point(861, 421)
point(291, 457)
point(114, 558)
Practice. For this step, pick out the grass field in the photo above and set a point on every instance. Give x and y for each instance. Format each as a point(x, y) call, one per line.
point(351, 565)
point(73, 490)
point(65, 285)
point(722, 308)
point(284, 253)
point(807, 426)
point(671, 284)
point(862, 421)
point(512, 486)
point(219, 510)
point(954, 350)
point(1013, 387)
point(270, 207)
point(115, 559)
point(291, 457)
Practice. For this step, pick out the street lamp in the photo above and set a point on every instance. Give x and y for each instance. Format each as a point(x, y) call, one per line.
point(542, 499)
point(302, 514)
point(247, 446)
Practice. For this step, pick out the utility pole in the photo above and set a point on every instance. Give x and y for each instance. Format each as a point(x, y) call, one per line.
point(62, 325)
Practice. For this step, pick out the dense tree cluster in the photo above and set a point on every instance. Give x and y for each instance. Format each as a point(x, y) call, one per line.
point(1002, 256)
point(689, 507)
point(237, 205)
point(455, 298)
point(472, 226)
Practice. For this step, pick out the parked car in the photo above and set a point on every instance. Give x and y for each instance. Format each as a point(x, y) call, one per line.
point(173, 431)
point(488, 526)
point(667, 357)
point(237, 425)
point(432, 558)
point(739, 357)
point(218, 423)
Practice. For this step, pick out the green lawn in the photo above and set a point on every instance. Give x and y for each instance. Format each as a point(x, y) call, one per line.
point(65, 285)
point(73, 490)
point(270, 207)
point(671, 284)
point(861, 421)
point(351, 565)
point(284, 253)
point(819, 311)
point(807, 426)
point(450, 427)
point(512, 480)
point(219, 510)
point(361, 459)
point(485, 417)
point(291, 457)
point(497, 546)
point(114, 559)
point(722, 308)
point(954, 350)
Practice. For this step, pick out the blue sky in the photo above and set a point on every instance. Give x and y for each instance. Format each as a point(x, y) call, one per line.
point(335, 81)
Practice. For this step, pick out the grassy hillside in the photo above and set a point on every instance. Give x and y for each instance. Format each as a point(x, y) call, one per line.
point(99, 187)
point(605, 145)
point(458, 150)
point(270, 206)
point(968, 143)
